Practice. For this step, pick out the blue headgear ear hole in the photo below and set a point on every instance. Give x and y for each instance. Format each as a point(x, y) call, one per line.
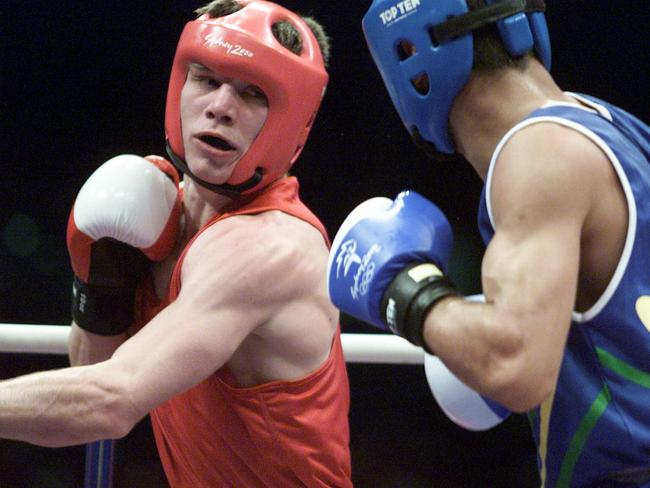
point(405, 49)
point(421, 83)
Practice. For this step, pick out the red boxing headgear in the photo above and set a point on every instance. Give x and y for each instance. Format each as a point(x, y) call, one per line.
point(241, 45)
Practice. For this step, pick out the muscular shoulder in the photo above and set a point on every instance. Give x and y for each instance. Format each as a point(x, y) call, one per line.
point(548, 170)
point(268, 256)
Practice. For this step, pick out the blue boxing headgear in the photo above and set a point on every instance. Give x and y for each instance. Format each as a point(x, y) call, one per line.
point(440, 33)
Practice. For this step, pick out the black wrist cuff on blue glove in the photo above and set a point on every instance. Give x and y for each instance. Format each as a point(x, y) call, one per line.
point(104, 311)
point(409, 298)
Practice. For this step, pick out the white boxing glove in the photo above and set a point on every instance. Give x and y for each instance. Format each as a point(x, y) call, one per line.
point(459, 402)
point(126, 215)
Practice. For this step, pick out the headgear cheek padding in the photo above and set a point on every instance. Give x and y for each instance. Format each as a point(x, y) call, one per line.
point(242, 45)
point(438, 33)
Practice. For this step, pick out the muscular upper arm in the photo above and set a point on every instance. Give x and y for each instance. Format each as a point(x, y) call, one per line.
point(234, 278)
point(543, 188)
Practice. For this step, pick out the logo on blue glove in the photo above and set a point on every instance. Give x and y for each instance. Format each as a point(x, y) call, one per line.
point(347, 256)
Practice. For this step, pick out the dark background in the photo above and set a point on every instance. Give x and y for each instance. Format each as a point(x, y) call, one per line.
point(84, 81)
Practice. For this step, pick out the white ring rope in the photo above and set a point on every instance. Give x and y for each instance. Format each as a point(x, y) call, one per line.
point(357, 348)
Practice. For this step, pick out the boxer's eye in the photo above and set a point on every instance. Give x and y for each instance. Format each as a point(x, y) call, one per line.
point(214, 83)
point(254, 92)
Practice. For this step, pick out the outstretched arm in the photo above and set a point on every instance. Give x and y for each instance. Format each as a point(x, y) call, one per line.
point(66, 407)
point(226, 294)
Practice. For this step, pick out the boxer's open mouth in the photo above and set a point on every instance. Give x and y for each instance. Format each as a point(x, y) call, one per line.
point(217, 142)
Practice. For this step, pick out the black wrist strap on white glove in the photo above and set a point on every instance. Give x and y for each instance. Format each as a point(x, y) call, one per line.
point(104, 305)
point(410, 296)
point(102, 310)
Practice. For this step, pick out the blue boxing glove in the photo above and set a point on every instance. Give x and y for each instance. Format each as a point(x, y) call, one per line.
point(387, 262)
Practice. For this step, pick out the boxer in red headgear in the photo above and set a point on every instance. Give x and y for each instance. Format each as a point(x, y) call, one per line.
point(232, 344)
point(242, 45)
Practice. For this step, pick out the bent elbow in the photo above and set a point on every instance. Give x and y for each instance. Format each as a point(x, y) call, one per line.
point(524, 398)
point(115, 421)
point(123, 410)
point(516, 375)
point(120, 429)
point(515, 382)
point(521, 391)
point(115, 414)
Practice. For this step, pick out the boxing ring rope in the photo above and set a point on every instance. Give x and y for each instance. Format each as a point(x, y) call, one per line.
point(53, 339)
point(357, 348)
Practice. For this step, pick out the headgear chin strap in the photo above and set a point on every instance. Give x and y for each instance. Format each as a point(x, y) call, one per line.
point(440, 33)
point(232, 191)
point(242, 45)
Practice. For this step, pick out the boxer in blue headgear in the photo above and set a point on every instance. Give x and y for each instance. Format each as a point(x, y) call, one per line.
point(563, 332)
point(424, 51)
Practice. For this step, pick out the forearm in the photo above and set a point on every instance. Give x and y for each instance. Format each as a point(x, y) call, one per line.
point(87, 348)
point(60, 408)
point(487, 351)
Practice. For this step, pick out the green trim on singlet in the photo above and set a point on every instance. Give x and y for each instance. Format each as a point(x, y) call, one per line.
point(623, 369)
point(597, 408)
point(587, 423)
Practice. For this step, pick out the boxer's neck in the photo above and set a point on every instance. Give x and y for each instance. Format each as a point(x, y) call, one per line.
point(492, 103)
